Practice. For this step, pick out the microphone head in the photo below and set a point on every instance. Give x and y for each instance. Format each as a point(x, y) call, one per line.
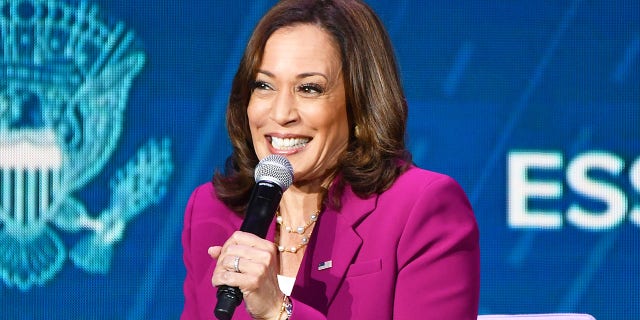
point(275, 168)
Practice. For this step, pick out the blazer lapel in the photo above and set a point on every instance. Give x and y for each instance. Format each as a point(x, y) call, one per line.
point(332, 249)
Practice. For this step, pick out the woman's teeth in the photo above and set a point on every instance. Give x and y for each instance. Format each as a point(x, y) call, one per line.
point(288, 143)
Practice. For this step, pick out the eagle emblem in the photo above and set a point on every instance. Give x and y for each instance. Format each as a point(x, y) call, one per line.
point(65, 77)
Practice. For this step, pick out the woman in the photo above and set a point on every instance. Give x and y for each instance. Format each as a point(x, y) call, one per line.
point(361, 233)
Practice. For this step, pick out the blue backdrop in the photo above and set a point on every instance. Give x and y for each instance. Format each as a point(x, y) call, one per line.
point(111, 112)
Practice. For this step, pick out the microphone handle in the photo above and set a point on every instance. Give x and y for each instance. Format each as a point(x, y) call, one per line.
point(263, 203)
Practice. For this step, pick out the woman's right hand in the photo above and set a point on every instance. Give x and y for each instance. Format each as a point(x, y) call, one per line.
point(256, 273)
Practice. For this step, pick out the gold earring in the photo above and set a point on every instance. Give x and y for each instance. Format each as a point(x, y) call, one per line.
point(356, 131)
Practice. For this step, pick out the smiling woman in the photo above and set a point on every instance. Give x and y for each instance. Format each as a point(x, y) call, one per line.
point(360, 226)
point(298, 106)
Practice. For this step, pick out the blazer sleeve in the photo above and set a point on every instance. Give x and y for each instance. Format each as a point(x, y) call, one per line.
point(206, 223)
point(439, 256)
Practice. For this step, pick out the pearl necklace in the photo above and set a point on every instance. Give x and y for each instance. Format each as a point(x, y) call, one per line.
point(301, 230)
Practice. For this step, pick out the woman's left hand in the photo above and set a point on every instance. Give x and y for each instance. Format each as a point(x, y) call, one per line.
point(250, 263)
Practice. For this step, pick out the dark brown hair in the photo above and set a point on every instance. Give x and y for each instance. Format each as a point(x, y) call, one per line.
point(376, 105)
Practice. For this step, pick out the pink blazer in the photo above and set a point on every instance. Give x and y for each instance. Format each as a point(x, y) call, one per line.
point(411, 252)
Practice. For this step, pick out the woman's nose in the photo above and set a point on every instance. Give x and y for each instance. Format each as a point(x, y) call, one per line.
point(283, 108)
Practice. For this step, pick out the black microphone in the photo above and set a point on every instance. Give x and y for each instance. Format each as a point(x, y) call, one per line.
point(273, 176)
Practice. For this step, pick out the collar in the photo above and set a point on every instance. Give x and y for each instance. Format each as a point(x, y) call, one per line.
point(334, 242)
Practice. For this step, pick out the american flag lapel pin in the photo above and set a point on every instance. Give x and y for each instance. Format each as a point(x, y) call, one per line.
point(325, 265)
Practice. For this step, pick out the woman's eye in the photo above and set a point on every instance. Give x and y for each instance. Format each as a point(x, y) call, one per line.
point(311, 88)
point(261, 85)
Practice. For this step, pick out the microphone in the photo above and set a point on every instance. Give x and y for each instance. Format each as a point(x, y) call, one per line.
point(273, 176)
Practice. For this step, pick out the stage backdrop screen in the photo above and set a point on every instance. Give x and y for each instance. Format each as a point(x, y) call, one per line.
point(111, 112)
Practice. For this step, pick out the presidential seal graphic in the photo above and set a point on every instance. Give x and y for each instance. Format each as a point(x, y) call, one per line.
point(65, 76)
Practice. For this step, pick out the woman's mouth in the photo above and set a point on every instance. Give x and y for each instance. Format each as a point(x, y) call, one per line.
point(287, 144)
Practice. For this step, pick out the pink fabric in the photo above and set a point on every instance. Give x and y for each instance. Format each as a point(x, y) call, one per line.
point(410, 253)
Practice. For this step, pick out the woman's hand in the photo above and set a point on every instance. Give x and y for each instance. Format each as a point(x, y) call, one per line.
point(256, 260)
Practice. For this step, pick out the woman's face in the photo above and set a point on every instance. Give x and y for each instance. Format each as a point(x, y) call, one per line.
point(298, 106)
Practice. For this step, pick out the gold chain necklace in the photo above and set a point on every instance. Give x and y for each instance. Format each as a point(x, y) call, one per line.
point(301, 230)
